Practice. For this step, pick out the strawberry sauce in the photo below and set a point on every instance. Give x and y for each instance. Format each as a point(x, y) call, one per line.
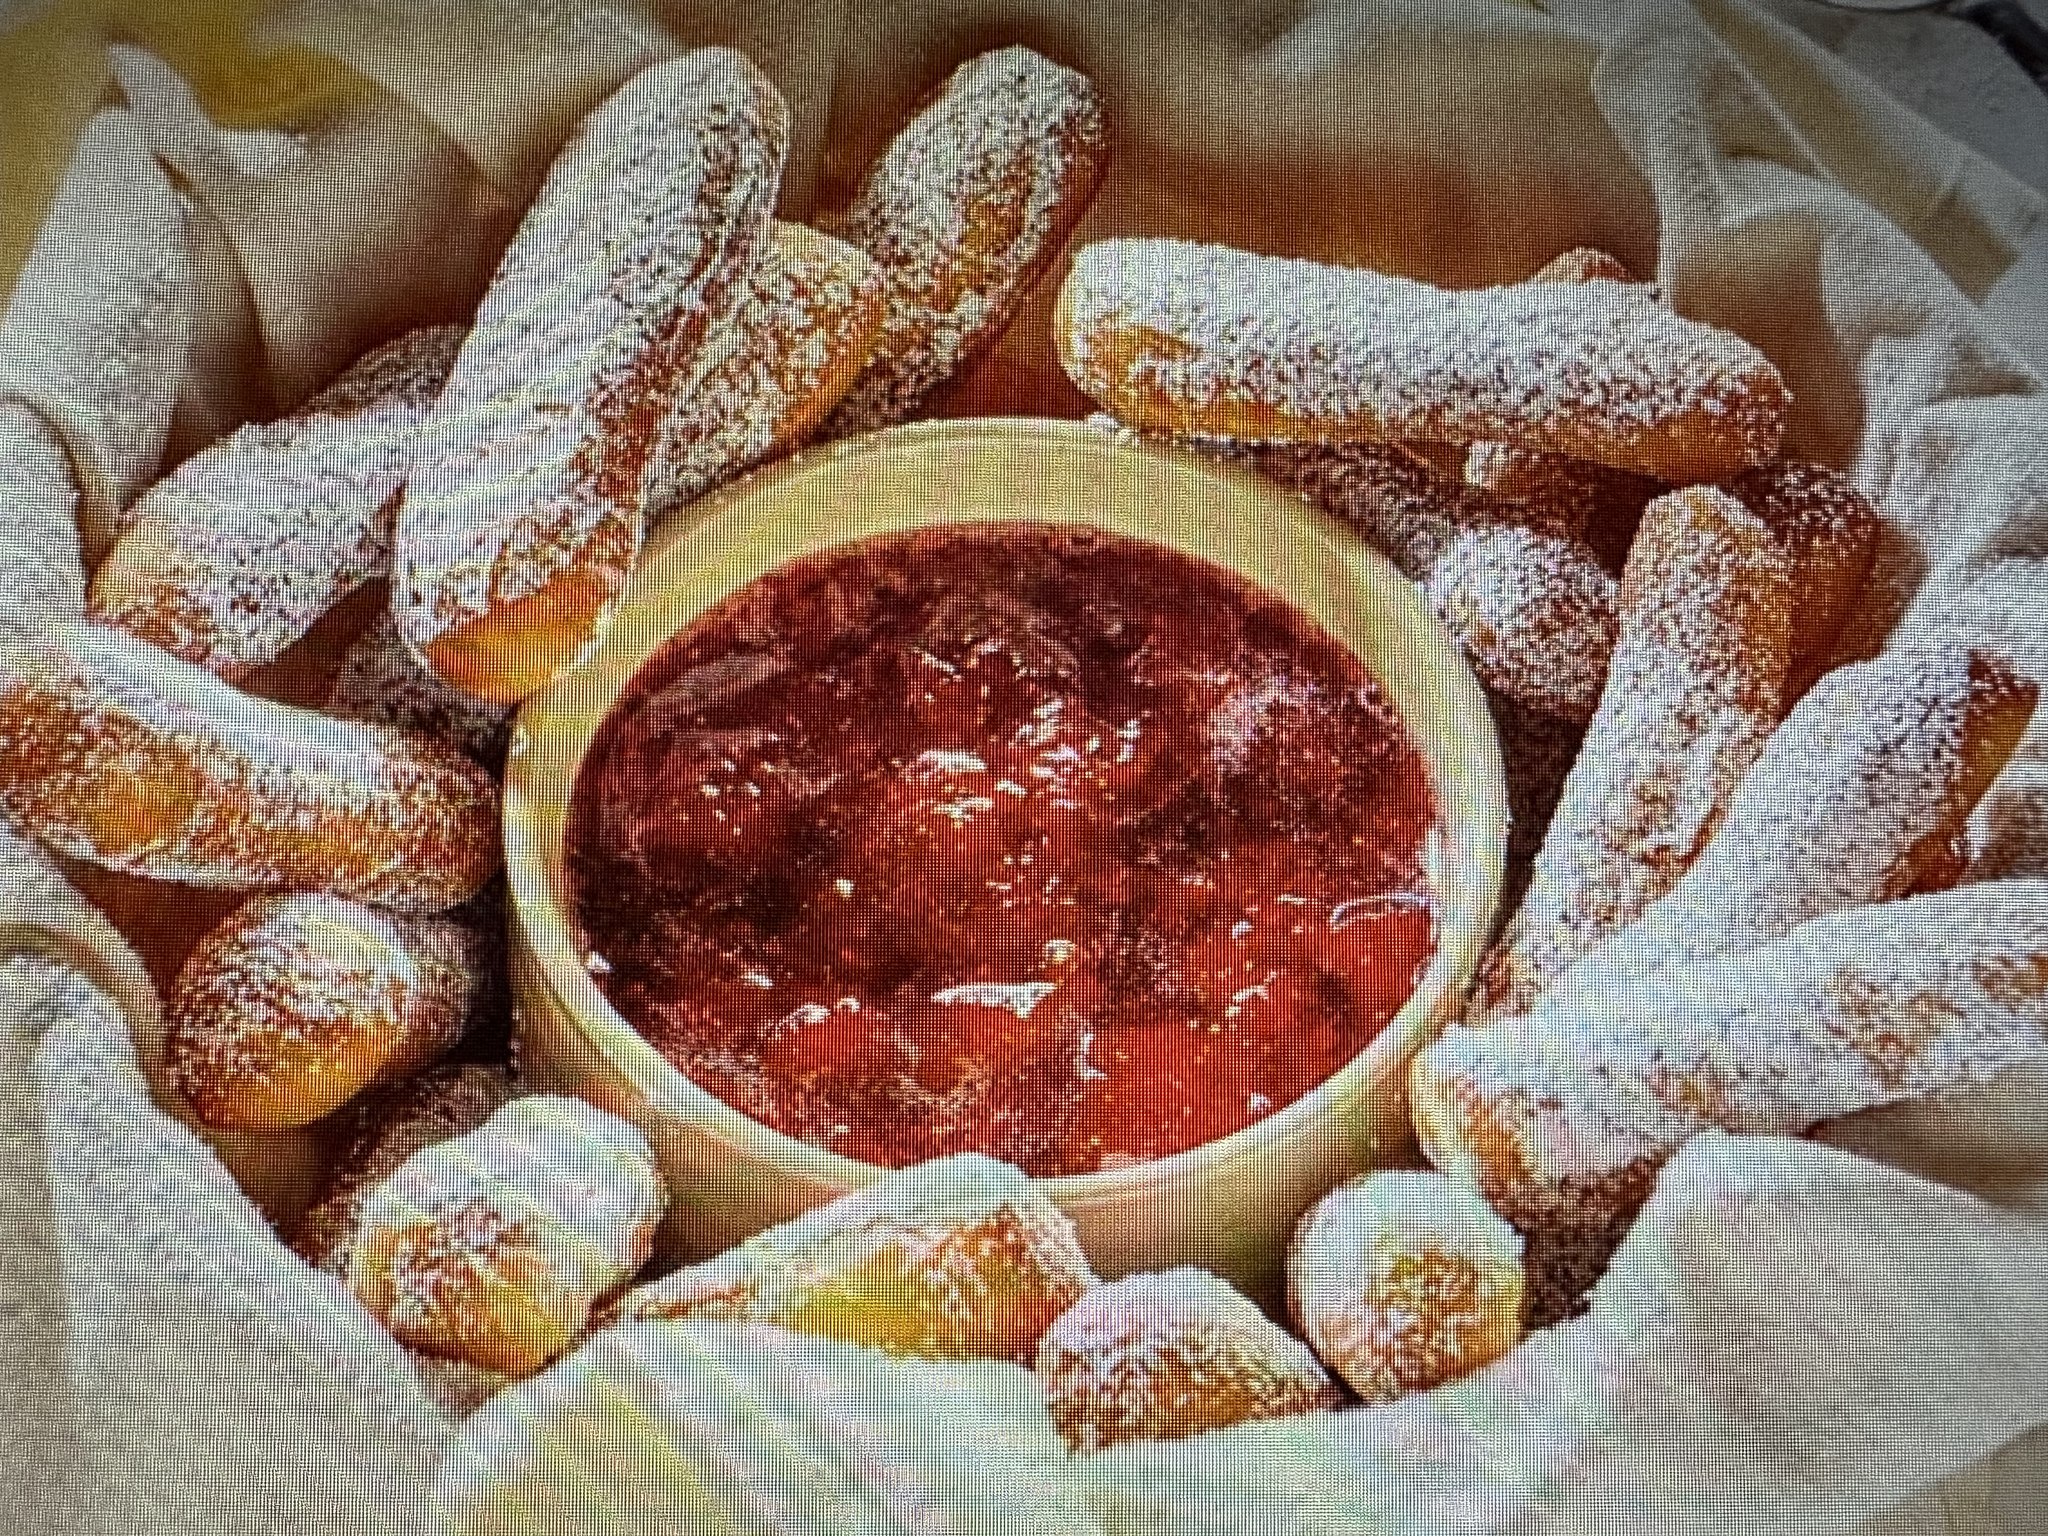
point(1033, 841)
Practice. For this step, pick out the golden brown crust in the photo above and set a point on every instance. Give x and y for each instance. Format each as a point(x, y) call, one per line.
point(493, 1247)
point(115, 753)
point(1828, 530)
point(1391, 497)
point(807, 325)
point(1165, 1356)
point(1563, 1117)
point(1996, 713)
point(1404, 1281)
point(296, 1004)
point(964, 211)
point(234, 555)
point(1182, 338)
point(377, 1133)
point(631, 254)
point(1601, 505)
point(1691, 694)
point(961, 1258)
point(1857, 798)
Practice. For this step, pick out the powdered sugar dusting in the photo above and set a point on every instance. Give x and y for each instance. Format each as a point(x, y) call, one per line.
point(116, 753)
point(1576, 493)
point(1692, 691)
point(1564, 1116)
point(1396, 502)
point(1869, 772)
point(383, 682)
point(530, 467)
point(1403, 1281)
point(1535, 615)
point(1179, 337)
point(975, 1262)
point(496, 1244)
point(379, 1133)
point(295, 1003)
point(1584, 264)
point(1828, 530)
point(800, 333)
point(233, 556)
point(1399, 505)
point(964, 210)
point(1163, 1356)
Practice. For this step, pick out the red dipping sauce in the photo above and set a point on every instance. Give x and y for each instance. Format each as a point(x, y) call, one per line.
point(1011, 838)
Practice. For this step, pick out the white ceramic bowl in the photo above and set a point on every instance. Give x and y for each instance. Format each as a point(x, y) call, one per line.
point(1229, 1205)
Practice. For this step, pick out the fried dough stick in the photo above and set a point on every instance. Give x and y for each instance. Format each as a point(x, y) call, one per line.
point(1690, 696)
point(1563, 1117)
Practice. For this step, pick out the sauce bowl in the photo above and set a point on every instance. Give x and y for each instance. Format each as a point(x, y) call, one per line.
point(1228, 1206)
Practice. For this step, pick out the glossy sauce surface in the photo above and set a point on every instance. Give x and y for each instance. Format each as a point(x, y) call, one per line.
point(1033, 841)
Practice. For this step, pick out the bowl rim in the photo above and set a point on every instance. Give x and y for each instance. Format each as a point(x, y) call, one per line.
point(554, 728)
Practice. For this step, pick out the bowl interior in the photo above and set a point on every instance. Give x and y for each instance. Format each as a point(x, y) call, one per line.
point(1039, 471)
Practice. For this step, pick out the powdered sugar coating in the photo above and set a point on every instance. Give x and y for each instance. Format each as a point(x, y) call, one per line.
point(1564, 1116)
point(528, 474)
point(383, 682)
point(1576, 492)
point(42, 575)
point(235, 554)
point(1828, 530)
point(1535, 615)
point(1386, 493)
point(1691, 694)
point(1873, 774)
point(1403, 508)
point(1599, 504)
point(379, 1132)
point(803, 329)
point(966, 207)
point(1178, 337)
point(961, 1257)
point(1403, 1281)
point(1163, 1356)
point(1583, 264)
point(115, 753)
point(294, 1004)
point(492, 1247)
